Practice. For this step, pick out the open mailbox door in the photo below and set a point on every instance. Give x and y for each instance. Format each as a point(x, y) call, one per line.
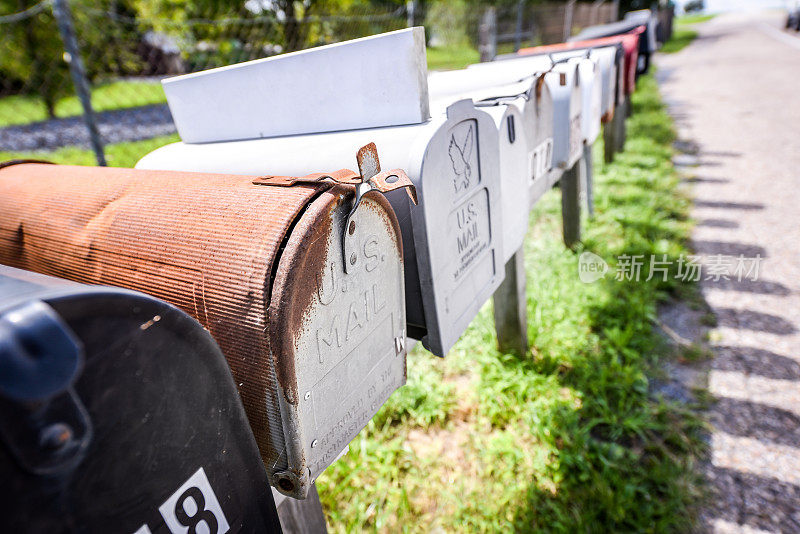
point(452, 240)
point(315, 347)
point(118, 413)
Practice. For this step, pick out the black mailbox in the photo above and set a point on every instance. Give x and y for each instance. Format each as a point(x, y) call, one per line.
point(118, 413)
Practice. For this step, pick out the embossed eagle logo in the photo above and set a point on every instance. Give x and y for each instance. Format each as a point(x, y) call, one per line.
point(459, 156)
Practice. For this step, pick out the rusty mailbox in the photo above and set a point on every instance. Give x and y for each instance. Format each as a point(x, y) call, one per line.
point(452, 240)
point(506, 87)
point(300, 281)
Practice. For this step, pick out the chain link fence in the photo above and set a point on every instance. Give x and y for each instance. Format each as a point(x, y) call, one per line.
point(115, 52)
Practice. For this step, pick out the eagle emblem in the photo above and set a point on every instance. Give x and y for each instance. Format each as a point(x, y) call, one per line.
point(460, 156)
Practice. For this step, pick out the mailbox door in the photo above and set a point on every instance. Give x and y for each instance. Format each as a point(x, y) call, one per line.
point(591, 95)
point(346, 353)
point(515, 161)
point(567, 104)
point(542, 159)
point(606, 60)
point(165, 445)
point(457, 225)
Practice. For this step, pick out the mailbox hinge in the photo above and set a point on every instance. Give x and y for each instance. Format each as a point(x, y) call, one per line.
point(368, 179)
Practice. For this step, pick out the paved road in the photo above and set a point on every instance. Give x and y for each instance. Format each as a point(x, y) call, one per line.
point(131, 124)
point(735, 92)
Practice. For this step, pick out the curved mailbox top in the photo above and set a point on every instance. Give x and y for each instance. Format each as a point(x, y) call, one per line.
point(151, 413)
point(314, 349)
point(452, 240)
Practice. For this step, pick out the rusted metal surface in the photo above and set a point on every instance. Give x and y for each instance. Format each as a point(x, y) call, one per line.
point(246, 260)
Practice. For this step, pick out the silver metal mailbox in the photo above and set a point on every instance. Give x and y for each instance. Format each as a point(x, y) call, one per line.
point(314, 348)
point(452, 240)
point(531, 96)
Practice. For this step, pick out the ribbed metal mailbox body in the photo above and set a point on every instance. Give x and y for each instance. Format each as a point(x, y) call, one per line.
point(118, 413)
point(502, 87)
point(452, 240)
point(314, 351)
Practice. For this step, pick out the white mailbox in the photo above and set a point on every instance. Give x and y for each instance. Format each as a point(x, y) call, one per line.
point(364, 83)
point(514, 167)
point(452, 244)
point(529, 93)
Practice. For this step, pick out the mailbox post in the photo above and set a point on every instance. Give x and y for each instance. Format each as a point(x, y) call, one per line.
point(123, 407)
point(452, 240)
point(315, 348)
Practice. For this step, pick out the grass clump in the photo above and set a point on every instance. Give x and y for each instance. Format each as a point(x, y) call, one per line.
point(568, 438)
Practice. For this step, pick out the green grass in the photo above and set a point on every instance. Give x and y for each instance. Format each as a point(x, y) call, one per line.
point(451, 57)
point(681, 38)
point(117, 155)
point(23, 109)
point(568, 438)
point(694, 18)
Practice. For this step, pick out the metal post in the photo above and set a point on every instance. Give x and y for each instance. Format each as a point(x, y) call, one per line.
point(571, 205)
point(568, 10)
point(78, 72)
point(511, 308)
point(518, 29)
point(303, 517)
point(487, 33)
point(411, 7)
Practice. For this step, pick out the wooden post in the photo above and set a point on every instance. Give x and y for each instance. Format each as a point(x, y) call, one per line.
point(622, 132)
point(303, 517)
point(588, 176)
point(487, 34)
point(571, 205)
point(511, 308)
point(610, 144)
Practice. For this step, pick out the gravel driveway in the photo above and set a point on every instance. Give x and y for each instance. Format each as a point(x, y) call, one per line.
point(117, 126)
point(735, 94)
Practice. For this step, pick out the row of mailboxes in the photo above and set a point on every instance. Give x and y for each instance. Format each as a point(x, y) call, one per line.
point(118, 413)
point(311, 285)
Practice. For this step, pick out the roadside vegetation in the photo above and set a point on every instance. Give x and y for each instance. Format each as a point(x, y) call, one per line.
point(24, 109)
point(568, 438)
point(683, 32)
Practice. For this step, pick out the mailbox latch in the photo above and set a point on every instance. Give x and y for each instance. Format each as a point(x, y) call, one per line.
point(368, 179)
